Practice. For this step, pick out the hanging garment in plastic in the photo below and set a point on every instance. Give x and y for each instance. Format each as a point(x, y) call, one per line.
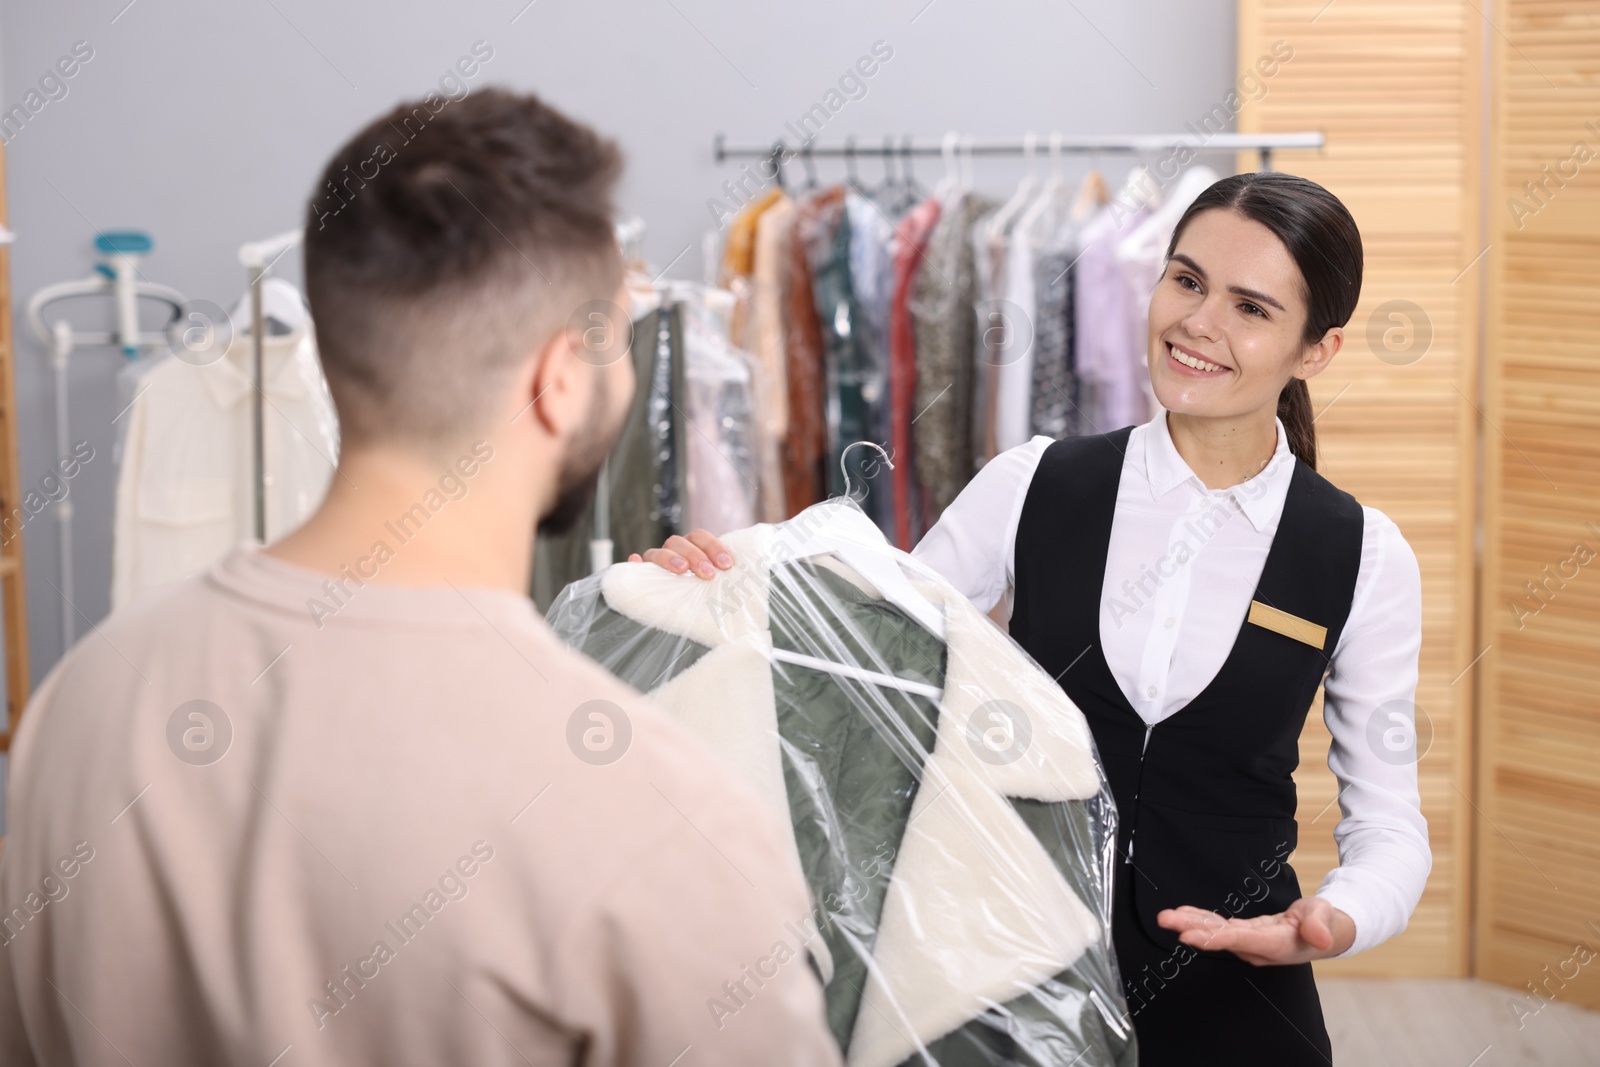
point(724, 447)
point(947, 804)
point(185, 484)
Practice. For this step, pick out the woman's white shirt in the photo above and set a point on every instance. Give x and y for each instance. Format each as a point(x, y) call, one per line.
point(1181, 570)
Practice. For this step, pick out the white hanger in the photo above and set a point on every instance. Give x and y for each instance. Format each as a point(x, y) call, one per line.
point(1001, 222)
point(950, 184)
point(1149, 239)
point(846, 531)
point(1139, 189)
point(1051, 198)
point(279, 300)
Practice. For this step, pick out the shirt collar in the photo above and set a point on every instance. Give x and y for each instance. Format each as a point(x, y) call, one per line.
point(229, 379)
point(1259, 497)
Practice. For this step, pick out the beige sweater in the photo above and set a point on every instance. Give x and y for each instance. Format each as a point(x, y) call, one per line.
point(239, 836)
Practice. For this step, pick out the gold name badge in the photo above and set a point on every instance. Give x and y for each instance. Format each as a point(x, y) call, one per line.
point(1292, 626)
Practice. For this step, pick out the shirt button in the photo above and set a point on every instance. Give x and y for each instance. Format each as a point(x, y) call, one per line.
point(1151, 692)
point(1171, 622)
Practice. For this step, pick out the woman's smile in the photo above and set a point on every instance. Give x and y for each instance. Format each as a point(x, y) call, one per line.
point(1190, 364)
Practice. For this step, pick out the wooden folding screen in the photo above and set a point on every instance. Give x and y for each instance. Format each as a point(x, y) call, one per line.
point(13, 608)
point(1538, 871)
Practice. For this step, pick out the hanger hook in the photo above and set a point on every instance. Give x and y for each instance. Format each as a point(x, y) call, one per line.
point(778, 149)
point(850, 159)
point(846, 470)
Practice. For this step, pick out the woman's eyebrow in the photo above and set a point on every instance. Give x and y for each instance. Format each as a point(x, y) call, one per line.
point(1191, 264)
point(1238, 290)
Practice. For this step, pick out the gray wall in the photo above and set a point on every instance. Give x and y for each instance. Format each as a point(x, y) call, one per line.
point(205, 123)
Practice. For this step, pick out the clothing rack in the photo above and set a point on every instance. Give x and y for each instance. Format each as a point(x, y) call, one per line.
point(1090, 145)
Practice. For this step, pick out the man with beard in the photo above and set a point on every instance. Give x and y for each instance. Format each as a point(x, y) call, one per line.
point(417, 829)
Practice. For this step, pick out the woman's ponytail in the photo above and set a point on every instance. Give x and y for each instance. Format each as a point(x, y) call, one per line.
point(1294, 409)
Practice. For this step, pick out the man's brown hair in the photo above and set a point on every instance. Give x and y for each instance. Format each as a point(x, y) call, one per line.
point(437, 259)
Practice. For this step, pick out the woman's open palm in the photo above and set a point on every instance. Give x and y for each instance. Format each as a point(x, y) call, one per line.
point(1309, 929)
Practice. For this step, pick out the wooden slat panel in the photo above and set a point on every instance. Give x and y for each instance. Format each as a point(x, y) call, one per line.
point(1395, 88)
point(1539, 861)
point(12, 593)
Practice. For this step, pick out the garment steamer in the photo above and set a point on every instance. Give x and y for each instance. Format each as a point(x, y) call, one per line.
point(117, 276)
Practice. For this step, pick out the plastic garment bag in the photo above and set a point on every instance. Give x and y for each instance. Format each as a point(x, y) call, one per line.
point(185, 481)
point(723, 454)
point(948, 809)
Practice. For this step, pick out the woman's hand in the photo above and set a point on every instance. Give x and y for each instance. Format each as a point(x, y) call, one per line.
point(696, 552)
point(1310, 930)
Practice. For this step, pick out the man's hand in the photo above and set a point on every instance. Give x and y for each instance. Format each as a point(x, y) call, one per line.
point(696, 552)
point(1310, 929)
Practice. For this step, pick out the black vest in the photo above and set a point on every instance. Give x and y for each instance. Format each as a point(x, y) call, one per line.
point(1206, 801)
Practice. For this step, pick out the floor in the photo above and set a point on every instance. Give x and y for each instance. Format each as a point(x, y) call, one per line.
point(1452, 1023)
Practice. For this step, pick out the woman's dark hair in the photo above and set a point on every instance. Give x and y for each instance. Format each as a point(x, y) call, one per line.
point(1322, 237)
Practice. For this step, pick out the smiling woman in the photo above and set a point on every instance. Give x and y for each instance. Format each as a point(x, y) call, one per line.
point(1198, 699)
point(1286, 259)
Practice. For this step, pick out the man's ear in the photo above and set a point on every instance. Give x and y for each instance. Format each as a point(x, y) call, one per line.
point(1319, 355)
point(557, 390)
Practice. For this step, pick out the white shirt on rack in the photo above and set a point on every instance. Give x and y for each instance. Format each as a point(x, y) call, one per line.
point(1201, 552)
point(185, 485)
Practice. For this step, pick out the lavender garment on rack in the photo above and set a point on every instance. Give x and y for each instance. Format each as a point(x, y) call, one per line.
point(1142, 253)
point(1110, 338)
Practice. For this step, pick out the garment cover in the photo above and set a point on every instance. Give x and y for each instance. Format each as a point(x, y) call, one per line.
point(948, 807)
point(185, 486)
point(723, 451)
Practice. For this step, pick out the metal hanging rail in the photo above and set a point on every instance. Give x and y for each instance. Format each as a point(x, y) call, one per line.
point(257, 257)
point(1093, 144)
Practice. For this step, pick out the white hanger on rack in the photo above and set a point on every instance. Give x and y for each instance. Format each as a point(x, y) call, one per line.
point(1140, 188)
point(281, 303)
point(950, 184)
point(1000, 224)
point(847, 532)
point(1149, 239)
point(1051, 201)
